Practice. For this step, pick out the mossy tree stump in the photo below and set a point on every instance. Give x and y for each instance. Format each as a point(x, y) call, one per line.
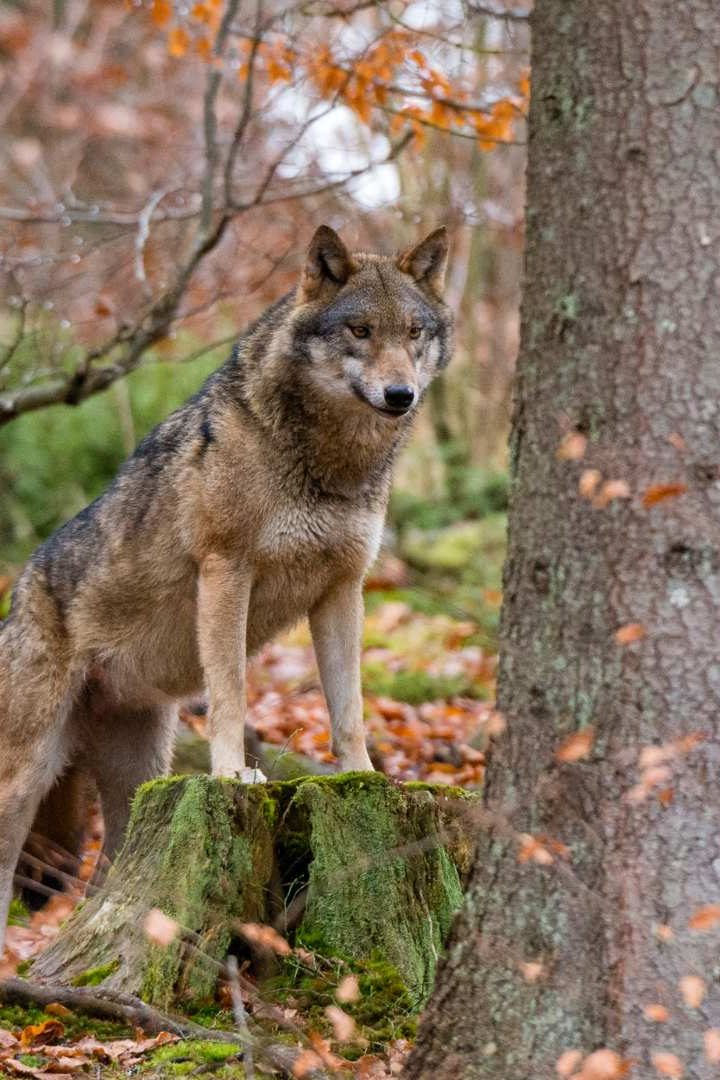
point(373, 870)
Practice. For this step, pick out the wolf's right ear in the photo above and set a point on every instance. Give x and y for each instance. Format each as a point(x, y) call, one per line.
point(427, 262)
point(327, 260)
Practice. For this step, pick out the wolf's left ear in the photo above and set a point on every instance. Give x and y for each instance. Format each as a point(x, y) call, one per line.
point(427, 262)
point(328, 260)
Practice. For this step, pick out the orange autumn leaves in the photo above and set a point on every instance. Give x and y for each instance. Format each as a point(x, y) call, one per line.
point(600, 492)
point(391, 77)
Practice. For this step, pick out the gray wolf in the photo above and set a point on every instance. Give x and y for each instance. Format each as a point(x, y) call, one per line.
point(258, 502)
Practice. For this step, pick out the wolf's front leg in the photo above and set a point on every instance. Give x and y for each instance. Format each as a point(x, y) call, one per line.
point(223, 598)
point(336, 623)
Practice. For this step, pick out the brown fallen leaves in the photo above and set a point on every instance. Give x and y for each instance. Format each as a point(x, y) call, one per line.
point(60, 1060)
point(660, 492)
point(705, 918)
point(667, 1064)
point(630, 632)
point(577, 746)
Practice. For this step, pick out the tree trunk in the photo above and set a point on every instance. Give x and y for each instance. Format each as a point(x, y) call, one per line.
point(354, 866)
point(620, 344)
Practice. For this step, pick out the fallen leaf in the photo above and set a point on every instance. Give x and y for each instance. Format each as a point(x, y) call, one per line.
point(663, 932)
point(56, 1009)
point(532, 970)
point(668, 1065)
point(588, 482)
point(576, 746)
point(496, 724)
point(692, 988)
point(20, 1069)
point(47, 1032)
point(348, 989)
point(657, 1013)
point(676, 440)
point(603, 1065)
point(611, 489)
point(306, 1062)
point(572, 447)
point(704, 918)
point(265, 937)
point(711, 1040)
point(531, 850)
point(660, 492)
point(630, 632)
point(567, 1062)
point(160, 928)
point(343, 1025)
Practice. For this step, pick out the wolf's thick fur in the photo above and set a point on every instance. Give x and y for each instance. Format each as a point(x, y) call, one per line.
point(258, 502)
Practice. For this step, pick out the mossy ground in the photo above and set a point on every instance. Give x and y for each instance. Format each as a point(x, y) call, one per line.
point(16, 1017)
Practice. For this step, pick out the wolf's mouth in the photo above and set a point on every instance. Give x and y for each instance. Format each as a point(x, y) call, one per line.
point(384, 410)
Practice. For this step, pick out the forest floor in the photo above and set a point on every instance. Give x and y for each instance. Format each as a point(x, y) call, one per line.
point(429, 679)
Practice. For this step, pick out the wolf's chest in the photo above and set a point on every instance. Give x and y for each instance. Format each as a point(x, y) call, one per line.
point(309, 537)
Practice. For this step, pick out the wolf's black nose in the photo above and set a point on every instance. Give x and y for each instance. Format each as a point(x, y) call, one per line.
point(399, 397)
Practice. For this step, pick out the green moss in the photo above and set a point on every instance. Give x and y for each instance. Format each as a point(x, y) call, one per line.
point(215, 828)
point(16, 1017)
point(384, 1009)
point(18, 914)
point(377, 884)
point(95, 976)
point(382, 865)
point(192, 1056)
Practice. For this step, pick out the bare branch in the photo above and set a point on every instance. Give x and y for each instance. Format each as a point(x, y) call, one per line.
point(125, 218)
point(142, 236)
point(132, 342)
point(246, 111)
point(212, 89)
point(231, 966)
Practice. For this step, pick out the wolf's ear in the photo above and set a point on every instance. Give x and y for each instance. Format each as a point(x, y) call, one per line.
point(427, 261)
point(327, 260)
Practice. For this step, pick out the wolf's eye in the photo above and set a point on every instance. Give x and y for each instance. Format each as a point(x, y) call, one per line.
point(361, 331)
point(415, 331)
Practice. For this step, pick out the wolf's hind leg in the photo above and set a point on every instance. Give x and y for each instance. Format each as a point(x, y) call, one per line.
point(28, 768)
point(125, 747)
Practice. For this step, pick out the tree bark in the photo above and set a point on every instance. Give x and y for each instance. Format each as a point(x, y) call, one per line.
point(620, 345)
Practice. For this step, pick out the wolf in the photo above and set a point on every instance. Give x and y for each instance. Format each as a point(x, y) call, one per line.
point(258, 502)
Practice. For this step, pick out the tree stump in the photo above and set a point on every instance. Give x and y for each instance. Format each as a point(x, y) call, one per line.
point(352, 865)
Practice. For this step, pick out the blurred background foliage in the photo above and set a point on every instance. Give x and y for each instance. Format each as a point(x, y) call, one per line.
point(381, 119)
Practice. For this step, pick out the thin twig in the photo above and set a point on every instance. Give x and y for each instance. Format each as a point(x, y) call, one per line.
point(240, 1015)
point(212, 89)
point(143, 232)
point(246, 111)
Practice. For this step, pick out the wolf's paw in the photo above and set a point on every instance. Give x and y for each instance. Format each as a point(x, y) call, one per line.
point(251, 776)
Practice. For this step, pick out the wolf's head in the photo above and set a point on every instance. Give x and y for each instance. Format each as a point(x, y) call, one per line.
point(373, 329)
